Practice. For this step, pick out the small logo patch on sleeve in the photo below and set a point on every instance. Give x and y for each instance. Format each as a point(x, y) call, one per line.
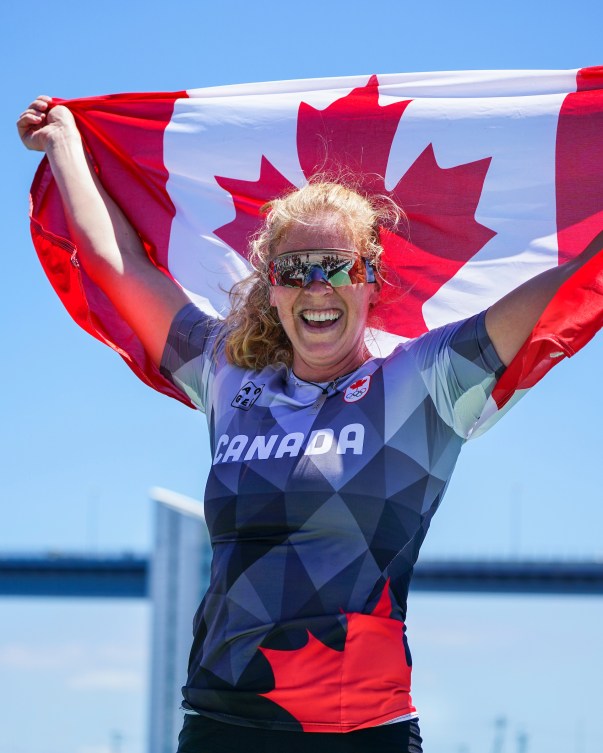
point(357, 390)
point(247, 395)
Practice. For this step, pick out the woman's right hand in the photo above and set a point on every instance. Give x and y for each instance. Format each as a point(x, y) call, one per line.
point(41, 123)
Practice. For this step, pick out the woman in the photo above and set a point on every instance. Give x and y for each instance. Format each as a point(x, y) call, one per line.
point(328, 464)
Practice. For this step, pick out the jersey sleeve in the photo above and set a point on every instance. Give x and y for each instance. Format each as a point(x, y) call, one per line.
point(190, 353)
point(459, 367)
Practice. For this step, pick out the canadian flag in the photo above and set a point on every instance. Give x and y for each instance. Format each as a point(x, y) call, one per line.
point(500, 174)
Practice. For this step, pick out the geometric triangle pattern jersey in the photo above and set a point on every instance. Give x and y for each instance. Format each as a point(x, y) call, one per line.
point(318, 500)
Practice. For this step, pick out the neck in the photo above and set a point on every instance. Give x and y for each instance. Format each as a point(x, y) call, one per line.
point(313, 373)
point(324, 385)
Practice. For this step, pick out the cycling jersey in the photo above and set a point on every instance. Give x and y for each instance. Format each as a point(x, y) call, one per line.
point(317, 502)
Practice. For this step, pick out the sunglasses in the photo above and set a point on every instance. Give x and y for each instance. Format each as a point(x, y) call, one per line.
point(338, 267)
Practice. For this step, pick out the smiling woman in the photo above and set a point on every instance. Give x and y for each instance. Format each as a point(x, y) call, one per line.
point(322, 215)
point(329, 464)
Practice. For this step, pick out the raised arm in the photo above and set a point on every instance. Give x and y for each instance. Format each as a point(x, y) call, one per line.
point(108, 247)
point(510, 320)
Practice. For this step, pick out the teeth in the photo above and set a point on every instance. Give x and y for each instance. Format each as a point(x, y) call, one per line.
point(321, 316)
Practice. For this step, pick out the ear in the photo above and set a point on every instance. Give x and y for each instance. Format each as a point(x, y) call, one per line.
point(375, 292)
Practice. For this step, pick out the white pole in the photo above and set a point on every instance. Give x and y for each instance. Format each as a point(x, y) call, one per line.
point(179, 578)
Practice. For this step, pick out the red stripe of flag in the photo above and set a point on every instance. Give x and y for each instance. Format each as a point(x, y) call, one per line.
point(124, 135)
point(575, 315)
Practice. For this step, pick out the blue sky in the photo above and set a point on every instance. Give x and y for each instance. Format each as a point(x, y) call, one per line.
point(83, 440)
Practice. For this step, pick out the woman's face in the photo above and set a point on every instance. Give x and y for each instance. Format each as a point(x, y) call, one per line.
point(325, 325)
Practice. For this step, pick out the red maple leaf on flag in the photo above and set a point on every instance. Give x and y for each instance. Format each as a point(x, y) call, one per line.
point(368, 680)
point(354, 134)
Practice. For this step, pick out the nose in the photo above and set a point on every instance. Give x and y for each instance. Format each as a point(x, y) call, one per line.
point(318, 290)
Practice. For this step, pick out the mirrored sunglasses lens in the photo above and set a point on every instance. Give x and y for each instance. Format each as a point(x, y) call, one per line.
point(337, 270)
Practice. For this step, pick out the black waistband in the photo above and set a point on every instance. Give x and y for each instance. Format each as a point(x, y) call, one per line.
point(201, 734)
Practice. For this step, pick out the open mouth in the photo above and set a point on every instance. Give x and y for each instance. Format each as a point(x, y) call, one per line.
point(320, 319)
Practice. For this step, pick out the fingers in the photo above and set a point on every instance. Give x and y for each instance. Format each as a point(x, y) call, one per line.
point(39, 106)
point(29, 121)
point(33, 119)
point(36, 111)
point(30, 117)
point(41, 102)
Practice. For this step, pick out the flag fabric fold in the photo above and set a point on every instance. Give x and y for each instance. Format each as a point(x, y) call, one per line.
point(500, 175)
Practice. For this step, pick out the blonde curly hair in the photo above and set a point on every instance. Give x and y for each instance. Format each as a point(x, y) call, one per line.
point(253, 335)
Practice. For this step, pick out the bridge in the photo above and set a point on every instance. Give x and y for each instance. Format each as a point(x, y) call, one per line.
point(128, 576)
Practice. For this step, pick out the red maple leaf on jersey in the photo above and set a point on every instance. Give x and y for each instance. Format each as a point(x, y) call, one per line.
point(357, 384)
point(329, 690)
point(355, 134)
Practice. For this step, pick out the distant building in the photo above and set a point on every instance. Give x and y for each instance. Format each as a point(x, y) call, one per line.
point(179, 578)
